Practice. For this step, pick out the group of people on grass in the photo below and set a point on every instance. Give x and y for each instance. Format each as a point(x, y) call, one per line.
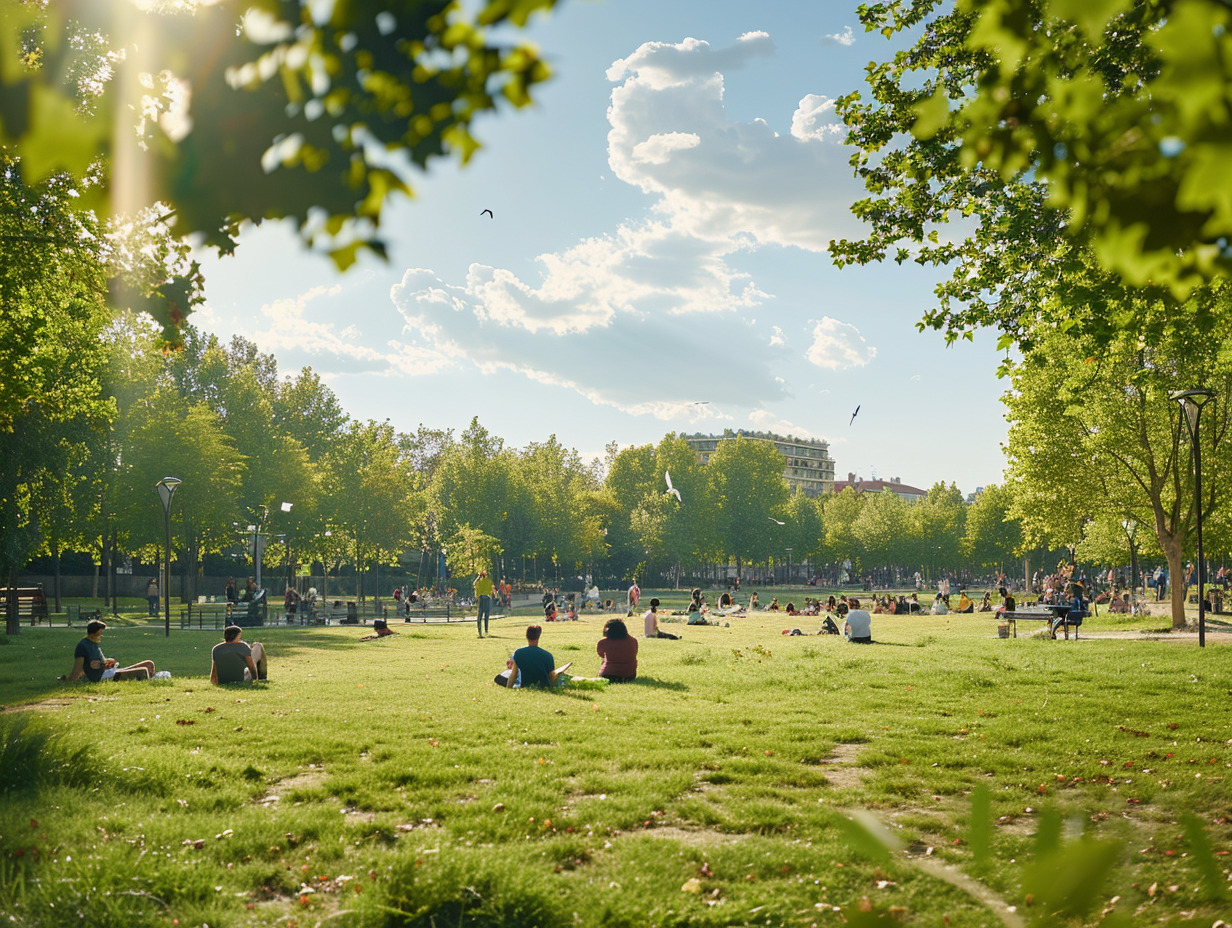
point(232, 660)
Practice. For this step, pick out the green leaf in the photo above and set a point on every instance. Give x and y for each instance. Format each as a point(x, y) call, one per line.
point(931, 115)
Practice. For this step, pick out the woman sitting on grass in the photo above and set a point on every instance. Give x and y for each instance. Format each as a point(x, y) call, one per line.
point(940, 606)
point(651, 622)
point(619, 652)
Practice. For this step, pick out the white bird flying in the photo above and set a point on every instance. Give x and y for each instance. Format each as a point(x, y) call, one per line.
point(667, 474)
point(776, 521)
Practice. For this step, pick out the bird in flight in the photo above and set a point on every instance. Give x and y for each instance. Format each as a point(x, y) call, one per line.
point(488, 211)
point(854, 414)
point(776, 521)
point(672, 491)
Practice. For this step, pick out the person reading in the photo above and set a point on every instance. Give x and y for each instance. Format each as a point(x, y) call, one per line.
point(532, 665)
point(234, 661)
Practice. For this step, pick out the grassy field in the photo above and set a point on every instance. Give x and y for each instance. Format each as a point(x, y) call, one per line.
point(941, 776)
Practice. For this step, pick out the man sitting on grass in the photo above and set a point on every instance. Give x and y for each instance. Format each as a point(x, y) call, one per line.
point(858, 626)
point(233, 661)
point(89, 662)
point(532, 665)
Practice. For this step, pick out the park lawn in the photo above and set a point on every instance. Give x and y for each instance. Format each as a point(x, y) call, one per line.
point(747, 778)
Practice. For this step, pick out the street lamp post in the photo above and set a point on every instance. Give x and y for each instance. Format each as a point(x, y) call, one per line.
point(789, 566)
point(166, 490)
point(1192, 402)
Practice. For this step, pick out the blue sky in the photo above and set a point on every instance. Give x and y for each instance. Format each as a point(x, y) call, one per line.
point(660, 218)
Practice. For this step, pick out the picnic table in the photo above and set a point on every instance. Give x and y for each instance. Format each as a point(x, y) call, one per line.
point(1053, 613)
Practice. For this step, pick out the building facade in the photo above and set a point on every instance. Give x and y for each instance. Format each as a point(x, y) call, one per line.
point(895, 485)
point(807, 465)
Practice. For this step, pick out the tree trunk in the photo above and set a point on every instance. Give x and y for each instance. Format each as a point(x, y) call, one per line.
point(1176, 581)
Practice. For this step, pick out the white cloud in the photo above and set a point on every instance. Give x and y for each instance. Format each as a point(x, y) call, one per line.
point(846, 37)
point(718, 179)
point(765, 421)
point(651, 316)
point(624, 339)
point(838, 345)
point(285, 329)
point(815, 118)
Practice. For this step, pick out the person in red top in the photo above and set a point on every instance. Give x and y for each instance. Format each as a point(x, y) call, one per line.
point(619, 652)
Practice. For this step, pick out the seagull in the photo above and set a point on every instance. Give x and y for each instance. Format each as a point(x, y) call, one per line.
point(667, 474)
point(488, 211)
point(854, 414)
point(776, 521)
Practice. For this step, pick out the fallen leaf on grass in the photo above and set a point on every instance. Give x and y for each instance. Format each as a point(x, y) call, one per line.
point(692, 885)
point(186, 721)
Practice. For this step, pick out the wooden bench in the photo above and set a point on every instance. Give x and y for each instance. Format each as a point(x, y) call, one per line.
point(1055, 615)
point(30, 600)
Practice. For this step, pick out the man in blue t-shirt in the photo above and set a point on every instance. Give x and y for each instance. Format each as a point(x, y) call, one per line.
point(532, 666)
point(89, 662)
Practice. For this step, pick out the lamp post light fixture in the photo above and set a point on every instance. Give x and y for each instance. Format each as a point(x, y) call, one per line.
point(166, 490)
point(1192, 402)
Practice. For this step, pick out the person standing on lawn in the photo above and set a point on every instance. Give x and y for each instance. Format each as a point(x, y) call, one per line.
point(151, 596)
point(483, 597)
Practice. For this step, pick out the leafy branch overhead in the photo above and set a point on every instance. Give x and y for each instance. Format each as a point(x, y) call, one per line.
point(255, 109)
point(1121, 108)
point(1053, 156)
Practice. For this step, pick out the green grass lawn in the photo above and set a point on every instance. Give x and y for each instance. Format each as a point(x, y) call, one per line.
point(941, 776)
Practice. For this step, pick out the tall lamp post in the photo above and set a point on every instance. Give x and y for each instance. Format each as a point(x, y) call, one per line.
point(166, 490)
point(1192, 402)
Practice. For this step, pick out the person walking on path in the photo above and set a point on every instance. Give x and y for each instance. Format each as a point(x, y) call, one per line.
point(151, 595)
point(483, 596)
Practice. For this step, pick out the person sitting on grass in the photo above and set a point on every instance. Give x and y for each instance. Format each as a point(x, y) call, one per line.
point(858, 626)
point(964, 602)
point(986, 603)
point(89, 662)
point(619, 652)
point(651, 622)
point(380, 629)
point(753, 603)
point(940, 606)
point(532, 665)
point(1119, 605)
point(774, 604)
point(549, 611)
point(235, 661)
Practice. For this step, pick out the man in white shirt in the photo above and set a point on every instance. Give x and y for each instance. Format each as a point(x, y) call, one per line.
point(859, 625)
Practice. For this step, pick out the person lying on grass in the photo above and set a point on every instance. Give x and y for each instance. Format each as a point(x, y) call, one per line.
point(234, 661)
point(89, 662)
point(380, 629)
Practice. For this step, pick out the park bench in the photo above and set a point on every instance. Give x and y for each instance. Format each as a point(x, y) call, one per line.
point(31, 602)
point(1050, 613)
